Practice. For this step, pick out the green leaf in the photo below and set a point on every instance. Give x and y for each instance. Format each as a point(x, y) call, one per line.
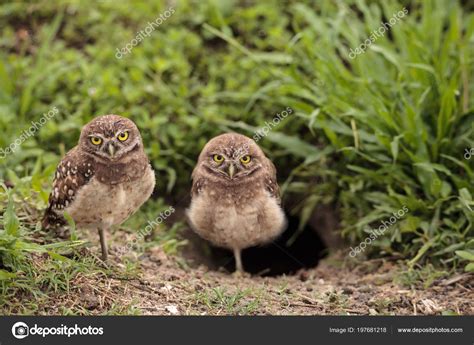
point(10, 219)
point(58, 257)
point(4, 275)
point(29, 247)
point(394, 147)
point(70, 221)
point(468, 255)
point(422, 251)
point(465, 198)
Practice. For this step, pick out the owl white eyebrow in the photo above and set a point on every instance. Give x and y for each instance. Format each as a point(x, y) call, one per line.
point(96, 135)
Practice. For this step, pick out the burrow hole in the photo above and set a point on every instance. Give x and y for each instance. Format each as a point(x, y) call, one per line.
point(274, 259)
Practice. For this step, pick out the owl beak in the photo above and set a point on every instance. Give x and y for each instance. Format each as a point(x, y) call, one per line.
point(111, 149)
point(231, 170)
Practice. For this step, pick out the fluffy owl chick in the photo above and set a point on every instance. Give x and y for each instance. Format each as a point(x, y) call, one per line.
point(235, 196)
point(103, 180)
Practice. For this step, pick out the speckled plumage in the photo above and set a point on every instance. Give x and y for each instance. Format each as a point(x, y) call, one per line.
point(100, 186)
point(240, 210)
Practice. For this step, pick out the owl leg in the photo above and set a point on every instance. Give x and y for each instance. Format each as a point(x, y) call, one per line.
point(238, 260)
point(103, 244)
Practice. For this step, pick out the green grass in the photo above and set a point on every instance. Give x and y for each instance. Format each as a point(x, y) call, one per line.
point(424, 276)
point(398, 118)
point(367, 135)
point(219, 301)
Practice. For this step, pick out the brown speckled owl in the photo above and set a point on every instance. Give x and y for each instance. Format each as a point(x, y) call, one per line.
point(235, 196)
point(103, 180)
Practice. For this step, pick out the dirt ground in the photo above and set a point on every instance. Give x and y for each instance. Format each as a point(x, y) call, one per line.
point(167, 285)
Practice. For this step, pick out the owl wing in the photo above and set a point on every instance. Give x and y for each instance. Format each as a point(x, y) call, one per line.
point(73, 172)
point(198, 183)
point(271, 183)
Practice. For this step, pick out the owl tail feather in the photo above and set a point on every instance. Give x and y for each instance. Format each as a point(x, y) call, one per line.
point(51, 220)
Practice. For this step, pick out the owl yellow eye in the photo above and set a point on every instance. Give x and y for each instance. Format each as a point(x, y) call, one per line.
point(218, 158)
point(123, 136)
point(96, 140)
point(245, 159)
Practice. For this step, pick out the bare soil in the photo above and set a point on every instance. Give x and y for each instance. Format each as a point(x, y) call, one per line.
point(168, 285)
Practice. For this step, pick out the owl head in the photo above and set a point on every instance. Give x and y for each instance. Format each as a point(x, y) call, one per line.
point(231, 157)
point(110, 137)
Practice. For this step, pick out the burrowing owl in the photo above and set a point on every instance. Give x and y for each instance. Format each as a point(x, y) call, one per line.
point(235, 196)
point(103, 180)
